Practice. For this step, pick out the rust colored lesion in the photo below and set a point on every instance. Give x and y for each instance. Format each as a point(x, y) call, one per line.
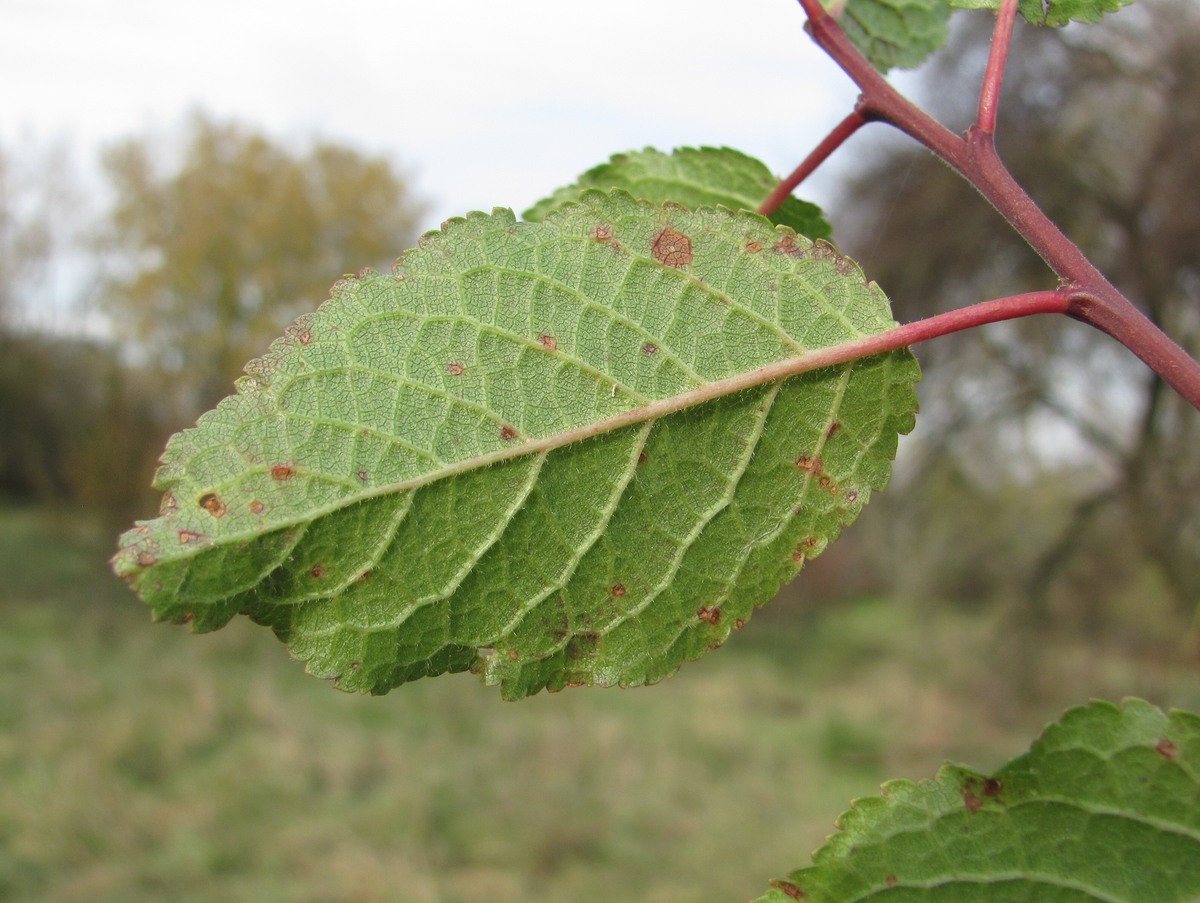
point(282, 472)
point(508, 433)
point(455, 369)
point(792, 890)
point(709, 614)
point(972, 802)
point(618, 590)
point(810, 464)
point(212, 504)
point(672, 248)
point(549, 342)
point(603, 232)
point(789, 247)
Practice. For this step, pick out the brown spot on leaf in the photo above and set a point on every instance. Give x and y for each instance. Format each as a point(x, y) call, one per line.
point(363, 577)
point(304, 336)
point(992, 788)
point(317, 571)
point(187, 537)
point(643, 457)
point(792, 890)
point(508, 433)
point(456, 369)
point(834, 429)
point(549, 342)
point(513, 654)
point(257, 507)
point(602, 233)
point(362, 475)
point(213, 505)
point(890, 881)
point(188, 618)
point(618, 590)
point(739, 624)
point(354, 666)
point(672, 248)
point(852, 495)
point(145, 559)
point(650, 349)
point(753, 247)
point(810, 464)
point(282, 472)
point(788, 246)
point(709, 615)
point(168, 505)
point(971, 801)
point(583, 645)
point(828, 485)
point(1166, 749)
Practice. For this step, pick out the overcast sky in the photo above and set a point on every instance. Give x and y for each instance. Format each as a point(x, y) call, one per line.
point(484, 102)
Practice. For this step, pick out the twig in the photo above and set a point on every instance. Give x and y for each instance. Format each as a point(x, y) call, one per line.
point(993, 76)
point(831, 142)
point(1091, 298)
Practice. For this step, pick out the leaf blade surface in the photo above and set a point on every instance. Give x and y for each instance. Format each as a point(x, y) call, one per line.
point(1105, 806)
point(694, 177)
point(509, 457)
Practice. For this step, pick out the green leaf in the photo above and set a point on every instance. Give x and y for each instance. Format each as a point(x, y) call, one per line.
point(1053, 12)
point(893, 33)
point(1105, 806)
point(539, 450)
point(704, 177)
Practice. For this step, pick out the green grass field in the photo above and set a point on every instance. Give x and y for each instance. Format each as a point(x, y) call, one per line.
point(141, 763)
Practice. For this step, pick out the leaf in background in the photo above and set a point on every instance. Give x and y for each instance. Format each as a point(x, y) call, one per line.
point(704, 177)
point(1105, 806)
point(893, 33)
point(1053, 12)
point(514, 455)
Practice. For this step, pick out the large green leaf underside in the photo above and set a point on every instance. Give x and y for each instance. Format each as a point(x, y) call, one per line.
point(893, 33)
point(502, 457)
point(694, 177)
point(1053, 12)
point(1105, 806)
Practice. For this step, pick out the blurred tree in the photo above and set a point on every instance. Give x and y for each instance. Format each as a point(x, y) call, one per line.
point(210, 259)
point(1099, 124)
point(36, 189)
point(78, 427)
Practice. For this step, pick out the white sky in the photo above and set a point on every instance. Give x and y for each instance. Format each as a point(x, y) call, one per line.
point(483, 102)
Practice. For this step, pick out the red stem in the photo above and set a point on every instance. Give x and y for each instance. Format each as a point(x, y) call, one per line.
point(993, 77)
point(832, 142)
point(1091, 297)
point(1010, 308)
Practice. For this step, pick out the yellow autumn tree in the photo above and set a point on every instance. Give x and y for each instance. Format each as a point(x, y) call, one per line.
point(212, 255)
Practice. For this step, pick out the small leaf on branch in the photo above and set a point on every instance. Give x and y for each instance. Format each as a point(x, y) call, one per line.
point(1052, 12)
point(694, 177)
point(1105, 806)
point(893, 33)
point(538, 451)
